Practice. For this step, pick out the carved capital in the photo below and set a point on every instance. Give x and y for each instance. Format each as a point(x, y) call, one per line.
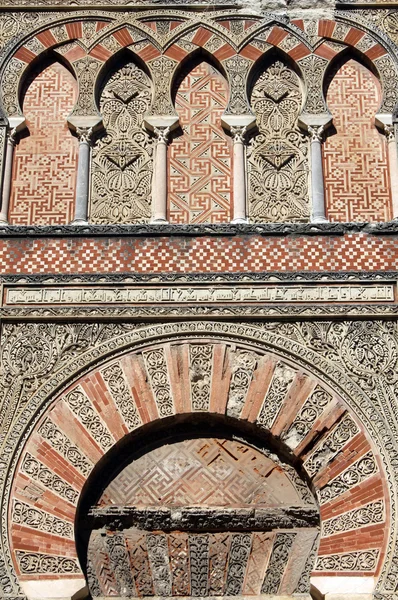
point(162, 134)
point(317, 133)
point(13, 136)
point(85, 134)
point(389, 132)
point(238, 133)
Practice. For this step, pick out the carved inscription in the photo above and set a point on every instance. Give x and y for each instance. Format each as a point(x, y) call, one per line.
point(177, 294)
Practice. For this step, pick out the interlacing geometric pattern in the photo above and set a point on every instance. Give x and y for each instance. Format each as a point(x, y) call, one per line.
point(355, 159)
point(122, 158)
point(201, 472)
point(200, 160)
point(277, 158)
point(223, 479)
point(200, 194)
point(120, 396)
point(45, 163)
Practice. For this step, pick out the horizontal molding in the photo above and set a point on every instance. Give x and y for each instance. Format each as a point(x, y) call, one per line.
point(227, 229)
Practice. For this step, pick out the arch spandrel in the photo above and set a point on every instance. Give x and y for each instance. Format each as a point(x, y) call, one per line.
point(241, 383)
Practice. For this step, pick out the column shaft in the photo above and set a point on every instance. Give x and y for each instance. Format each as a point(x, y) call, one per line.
point(393, 168)
point(159, 183)
point(317, 182)
point(239, 187)
point(83, 178)
point(7, 181)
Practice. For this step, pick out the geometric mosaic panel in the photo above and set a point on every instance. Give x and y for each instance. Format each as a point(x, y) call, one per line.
point(355, 158)
point(45, 163)
point(203, 472)
point(200, 159)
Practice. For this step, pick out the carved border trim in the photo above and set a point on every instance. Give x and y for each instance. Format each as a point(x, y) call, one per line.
point(240, 277)
point(281, 229)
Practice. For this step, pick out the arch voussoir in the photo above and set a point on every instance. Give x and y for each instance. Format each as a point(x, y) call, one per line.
point(305, 420)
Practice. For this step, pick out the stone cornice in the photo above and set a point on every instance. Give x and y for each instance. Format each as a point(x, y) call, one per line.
point(155, 230)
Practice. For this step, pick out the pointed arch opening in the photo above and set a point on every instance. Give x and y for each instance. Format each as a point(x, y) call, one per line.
point(45, 160)
point(200, 176)
point(355, 153)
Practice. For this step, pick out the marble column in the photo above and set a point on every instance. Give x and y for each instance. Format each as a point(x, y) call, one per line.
point(393, 167)
point(318, 213)
point(83, 177)
point(159, 183)
point(239, 170)
point(7, 179)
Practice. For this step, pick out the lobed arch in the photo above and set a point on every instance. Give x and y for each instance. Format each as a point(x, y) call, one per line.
point(189, 62)
point(268, 57)
point(109, 39)
point(122, 56)
point(295, 358)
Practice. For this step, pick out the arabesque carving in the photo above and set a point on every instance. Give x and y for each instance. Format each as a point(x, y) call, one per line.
point(278, 154)
point(316, 343)
point(122, 161)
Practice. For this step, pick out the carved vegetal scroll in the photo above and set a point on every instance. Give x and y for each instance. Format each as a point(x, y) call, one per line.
point(278, 154)
point(122, 159)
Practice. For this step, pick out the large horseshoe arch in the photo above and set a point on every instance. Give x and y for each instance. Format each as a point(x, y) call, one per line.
point(111, 471)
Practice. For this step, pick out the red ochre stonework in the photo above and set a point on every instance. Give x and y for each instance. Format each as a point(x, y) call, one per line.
point(355, 158)
point(45, 164)
point(335, 451)
point(200, 160)
point(351, 252)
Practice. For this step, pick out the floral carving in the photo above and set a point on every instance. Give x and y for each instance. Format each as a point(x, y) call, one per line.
point(122, 158)
point(277, 156)
point(365, 560)
point(201, 360)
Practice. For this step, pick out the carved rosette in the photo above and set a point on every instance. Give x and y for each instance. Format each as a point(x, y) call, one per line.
point(278, 154)
point(123, 157)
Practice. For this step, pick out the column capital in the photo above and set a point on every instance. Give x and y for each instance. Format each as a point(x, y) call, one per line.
point(389, 132)
point(13, 136)
point(84, 134)
point(162, 134)
point(238, 133)
point(316, 132)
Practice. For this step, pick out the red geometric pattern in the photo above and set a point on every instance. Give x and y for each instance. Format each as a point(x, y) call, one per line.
point(44, 174)
point(356, 169)
point(204, 472)
point(351, 252)
point(200, 160)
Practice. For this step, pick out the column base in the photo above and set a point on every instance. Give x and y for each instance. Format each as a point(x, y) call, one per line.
point(79, 222)
point(239, 220)
point(3, 222)
point(159, 222)
point(320, 220)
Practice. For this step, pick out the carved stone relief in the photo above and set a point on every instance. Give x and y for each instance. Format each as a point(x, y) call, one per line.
point(86, 70)
point(313, 68)
point(122, 162)
point(302, 339)
point(190, 479)
point(277, 155)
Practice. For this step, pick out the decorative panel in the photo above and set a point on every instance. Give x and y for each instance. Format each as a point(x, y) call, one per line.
point(201, 473)
point(122, 157)
point(200, 159)
point(355, 157)
point(278, 154)
point(45, 164)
